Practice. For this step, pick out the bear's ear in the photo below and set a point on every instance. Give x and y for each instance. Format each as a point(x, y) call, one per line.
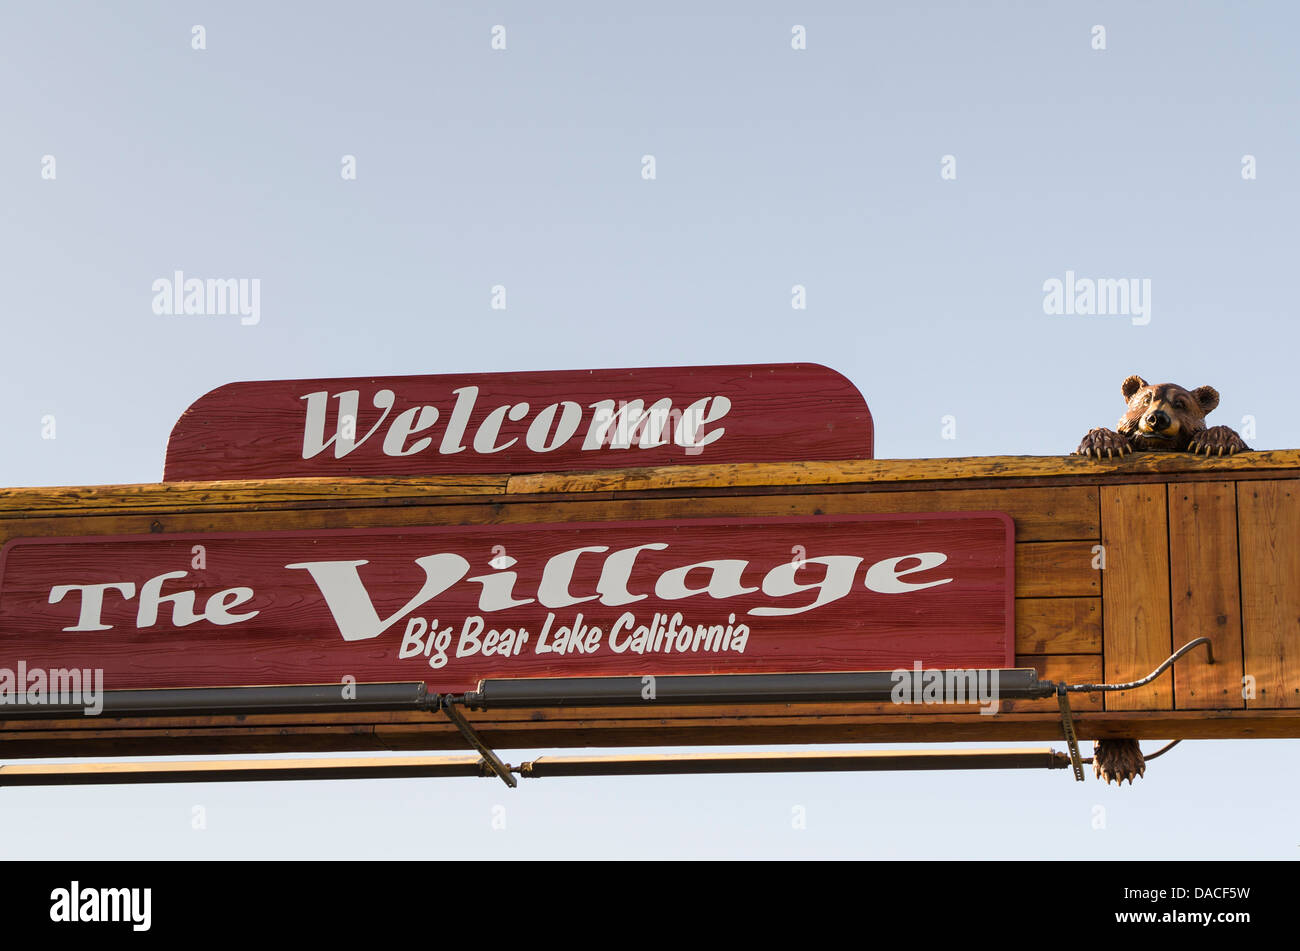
point(1207, 397)
point(1131, 386)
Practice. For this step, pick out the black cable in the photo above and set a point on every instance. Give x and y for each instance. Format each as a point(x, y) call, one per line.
point(1094, 688)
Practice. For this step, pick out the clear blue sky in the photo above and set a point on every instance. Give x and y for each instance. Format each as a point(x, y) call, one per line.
point(775, 167)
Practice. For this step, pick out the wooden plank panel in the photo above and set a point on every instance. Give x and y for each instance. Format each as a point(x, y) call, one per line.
point(1069, 512)
point(1058, 626)
point(1268, 518)
point(1135, 593)
point(1206, 599)
point(1056, 570)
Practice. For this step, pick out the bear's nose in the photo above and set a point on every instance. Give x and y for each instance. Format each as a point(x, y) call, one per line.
point(1159, 420)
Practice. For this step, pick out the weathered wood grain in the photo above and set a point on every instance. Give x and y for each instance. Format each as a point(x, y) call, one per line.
point(1135, 593)
point(238, 495)
point(1058, 626)
point(875, 471)
point(1206, 600)
point(1269, 535)
point(1056, 569)
point(1065, 513)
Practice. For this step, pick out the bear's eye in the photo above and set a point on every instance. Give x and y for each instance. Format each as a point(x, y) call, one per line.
point(1180, 404)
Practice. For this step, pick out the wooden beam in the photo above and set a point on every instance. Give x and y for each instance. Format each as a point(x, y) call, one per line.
point(724, 729)
point(219, 496)
point(898, 470)
point(316, 493)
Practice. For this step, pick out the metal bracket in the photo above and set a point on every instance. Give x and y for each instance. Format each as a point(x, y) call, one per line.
point(491, 759)
point(1067, 726)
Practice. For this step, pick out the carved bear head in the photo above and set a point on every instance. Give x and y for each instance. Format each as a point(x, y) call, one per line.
point(1164, 416)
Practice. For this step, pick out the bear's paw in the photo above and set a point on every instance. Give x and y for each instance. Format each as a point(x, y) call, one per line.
point(1103, 443)
point(1118, 760)
point(1217, 441)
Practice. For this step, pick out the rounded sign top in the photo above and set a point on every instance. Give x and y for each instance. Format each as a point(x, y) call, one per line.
point(542, 421)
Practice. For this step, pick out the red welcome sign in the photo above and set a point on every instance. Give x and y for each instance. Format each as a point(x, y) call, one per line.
point(547, 421)
point(453, 605)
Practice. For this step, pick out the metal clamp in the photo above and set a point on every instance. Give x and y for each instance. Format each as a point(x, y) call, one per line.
point(448, 704)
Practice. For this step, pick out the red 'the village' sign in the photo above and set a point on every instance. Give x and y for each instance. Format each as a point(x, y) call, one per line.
point(452, 605)
point(545, 421)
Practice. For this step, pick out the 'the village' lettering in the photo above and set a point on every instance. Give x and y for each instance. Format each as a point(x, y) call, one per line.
point(349, 601)
point(450, 604)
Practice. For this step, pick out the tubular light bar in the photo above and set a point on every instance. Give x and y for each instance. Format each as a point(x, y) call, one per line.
point(862, 687)
point(419, 767)
point(181, 701)
point(866, 687)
